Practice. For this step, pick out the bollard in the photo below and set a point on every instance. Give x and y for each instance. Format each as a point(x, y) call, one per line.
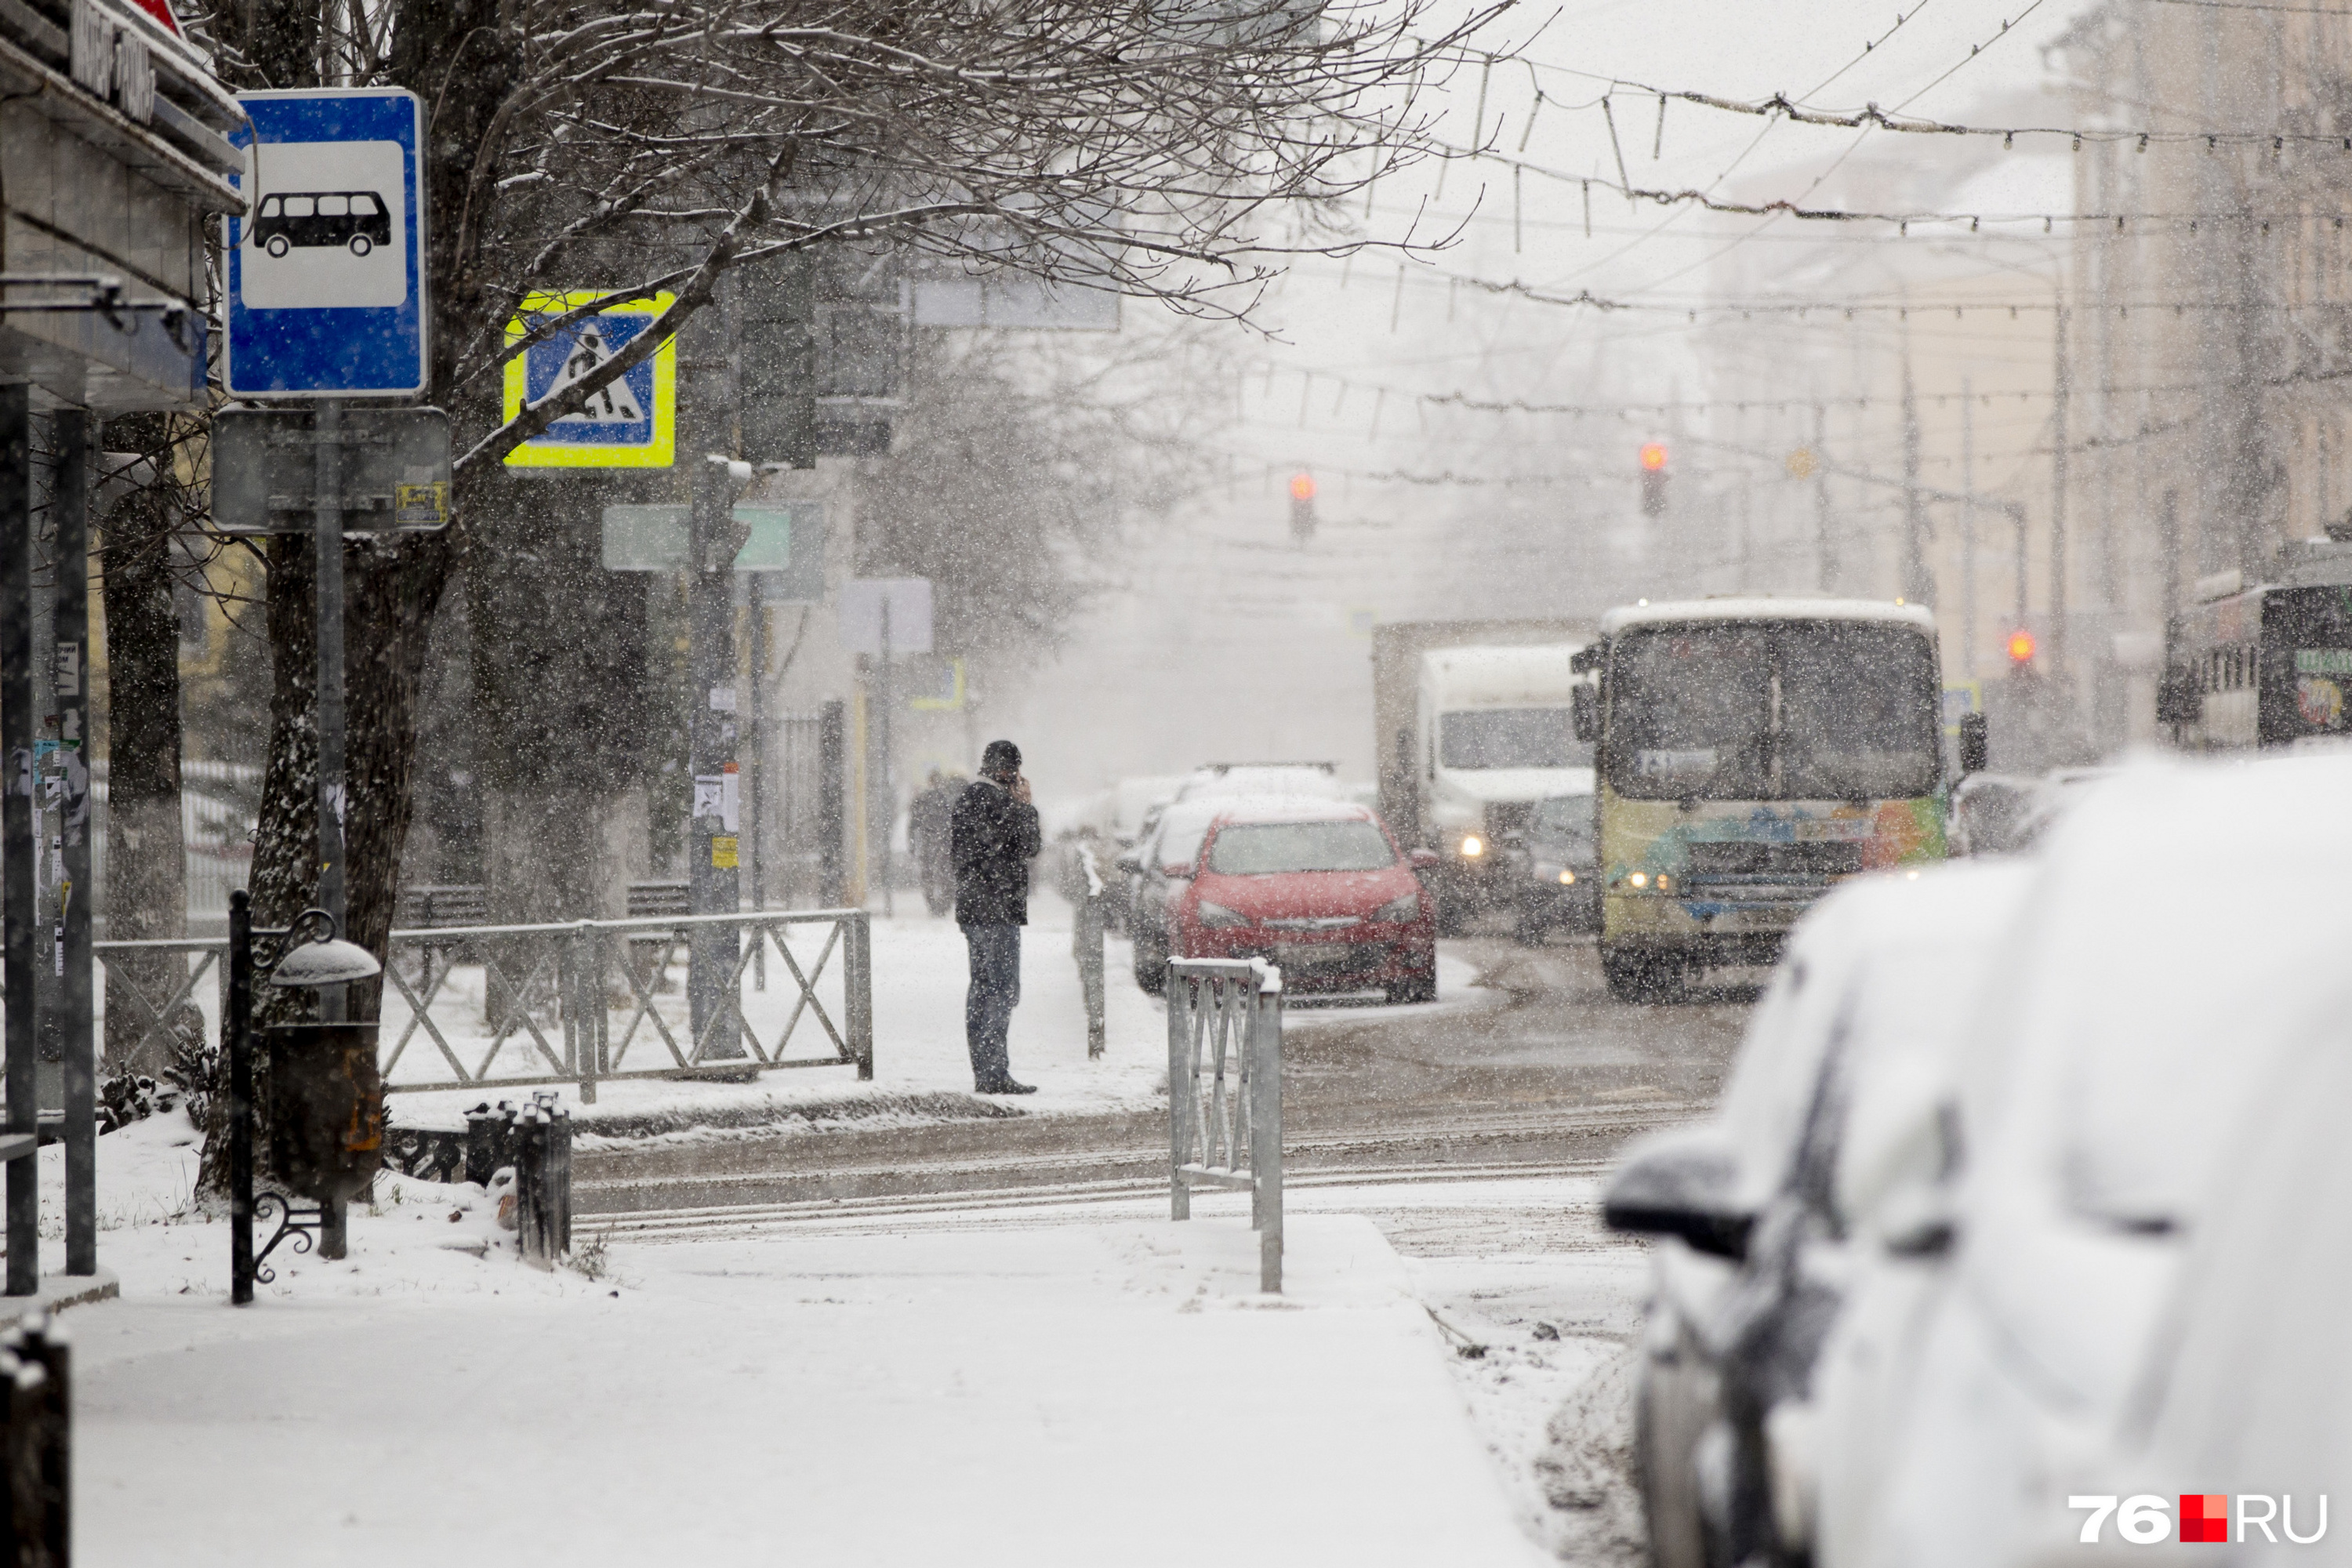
point(1086, 947)
point(36, 1398)
point(543, 1182)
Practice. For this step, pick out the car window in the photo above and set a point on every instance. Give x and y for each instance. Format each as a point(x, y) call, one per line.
point(1510, 738)
point(298, 206)
point(1267, 848)
point(1181, 833)
point(334, 207)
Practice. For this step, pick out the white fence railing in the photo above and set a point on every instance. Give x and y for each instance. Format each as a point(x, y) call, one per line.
point(1224, 1093)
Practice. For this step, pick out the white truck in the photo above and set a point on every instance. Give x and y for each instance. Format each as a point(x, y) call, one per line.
point(1489, 731)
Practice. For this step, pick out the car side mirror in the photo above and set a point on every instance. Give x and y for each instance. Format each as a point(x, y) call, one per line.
point(1900, 1143)
point(1681, 1182)
point(1976, 743)
point(1131, 864)
point(1422, 859)
point(1179, 872)
point(1584, 710)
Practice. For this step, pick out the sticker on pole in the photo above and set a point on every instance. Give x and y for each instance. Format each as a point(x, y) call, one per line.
point(326, 272)
point(630, 421)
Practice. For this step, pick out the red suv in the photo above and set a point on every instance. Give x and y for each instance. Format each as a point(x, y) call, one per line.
point(1317, 887)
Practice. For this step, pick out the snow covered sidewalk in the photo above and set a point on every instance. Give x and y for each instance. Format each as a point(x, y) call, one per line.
point(1067, 1393)
point(920, 976)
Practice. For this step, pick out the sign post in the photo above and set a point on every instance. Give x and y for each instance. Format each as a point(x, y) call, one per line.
point(327, 302)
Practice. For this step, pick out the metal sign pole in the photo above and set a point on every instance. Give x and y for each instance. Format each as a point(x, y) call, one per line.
point(71, 681)
point(236, 1030)
point(890, 789)
point(712, 952)
point(16, 908)
point(327, 534)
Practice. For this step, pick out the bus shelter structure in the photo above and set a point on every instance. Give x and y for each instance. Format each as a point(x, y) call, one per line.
point(116, 158)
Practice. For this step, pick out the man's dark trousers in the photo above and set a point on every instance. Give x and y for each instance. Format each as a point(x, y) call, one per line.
point(988, 1005)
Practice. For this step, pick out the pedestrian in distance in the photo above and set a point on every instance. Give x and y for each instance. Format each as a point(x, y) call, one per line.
point(994, 834)
point(930, 823)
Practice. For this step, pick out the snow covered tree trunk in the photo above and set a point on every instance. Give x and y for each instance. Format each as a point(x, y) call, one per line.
point(146, 869)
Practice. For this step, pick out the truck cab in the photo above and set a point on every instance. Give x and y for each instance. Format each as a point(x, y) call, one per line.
point(1494, 733)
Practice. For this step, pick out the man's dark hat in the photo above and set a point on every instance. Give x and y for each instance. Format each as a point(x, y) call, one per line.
point(1000, 757)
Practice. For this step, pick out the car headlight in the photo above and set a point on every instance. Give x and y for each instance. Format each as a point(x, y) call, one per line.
point(1473, 847)
point(1398, 910)
point(1216, 915)
point(1567, 878)
point(1639, 880)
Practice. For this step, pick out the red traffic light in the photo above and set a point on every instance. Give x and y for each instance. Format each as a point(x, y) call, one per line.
point(1653, 456)
point(2020, 646)
point(1302, 487)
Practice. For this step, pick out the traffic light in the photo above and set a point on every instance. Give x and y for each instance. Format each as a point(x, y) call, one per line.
point(1302, 506)
point(2020, 647)
point(777, 297)
point(1654, 479)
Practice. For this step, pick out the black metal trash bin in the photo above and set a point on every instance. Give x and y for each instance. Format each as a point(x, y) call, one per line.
point(326, 1108)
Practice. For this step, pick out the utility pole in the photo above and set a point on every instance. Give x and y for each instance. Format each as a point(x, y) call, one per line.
point(712, 845)
point(2061, 387)
point(889, 788)
point(18, 909)
point(757, 626)
point(1828, 567)
point(1968, 530)
point(70, 683)
point(327, 536)
point(1917, 583)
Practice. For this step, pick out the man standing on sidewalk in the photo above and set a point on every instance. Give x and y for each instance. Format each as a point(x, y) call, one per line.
point(994, 836)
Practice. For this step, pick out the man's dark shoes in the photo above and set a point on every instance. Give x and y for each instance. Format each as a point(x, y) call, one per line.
point(1006, 1086)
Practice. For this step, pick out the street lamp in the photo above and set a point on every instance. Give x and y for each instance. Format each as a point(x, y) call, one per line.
point(326, 1094)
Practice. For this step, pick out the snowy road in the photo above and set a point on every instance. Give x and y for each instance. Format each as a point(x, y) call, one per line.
point(1549, 1074)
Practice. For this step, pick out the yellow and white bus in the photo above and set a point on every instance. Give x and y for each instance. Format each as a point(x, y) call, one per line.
point(1752, 752)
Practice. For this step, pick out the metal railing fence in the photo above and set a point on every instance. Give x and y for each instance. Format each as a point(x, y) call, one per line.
point(1224, 1093)
point(552, 988)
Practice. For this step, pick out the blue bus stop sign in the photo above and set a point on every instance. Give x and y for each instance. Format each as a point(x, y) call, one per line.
point(325, 271)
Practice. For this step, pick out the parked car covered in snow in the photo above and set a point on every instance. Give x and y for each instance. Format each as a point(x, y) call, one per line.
point(2020, 1228)
point(2245, 1393)
point(1747, 1271)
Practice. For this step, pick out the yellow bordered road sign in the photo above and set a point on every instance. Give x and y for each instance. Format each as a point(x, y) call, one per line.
point(631, 423)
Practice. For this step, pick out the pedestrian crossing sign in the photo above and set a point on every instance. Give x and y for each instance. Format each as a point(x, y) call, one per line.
point(628, 423)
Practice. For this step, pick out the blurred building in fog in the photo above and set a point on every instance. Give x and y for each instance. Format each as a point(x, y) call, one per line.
point(1880, 408)
point(2210, 327)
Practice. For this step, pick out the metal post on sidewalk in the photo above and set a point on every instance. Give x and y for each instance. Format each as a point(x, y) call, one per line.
point(236, 1032)
point(71, 683)
point(713, 887)
point(1265, 1130)
point(889, 791)
point(1181, 1088)
point(831, 800)
point(17, 913)
point(755, 784)
point(327, 537)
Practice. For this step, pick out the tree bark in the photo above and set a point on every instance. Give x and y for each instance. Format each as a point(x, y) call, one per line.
point(146, 871)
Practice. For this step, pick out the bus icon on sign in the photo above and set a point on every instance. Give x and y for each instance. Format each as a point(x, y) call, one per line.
point(333, 219)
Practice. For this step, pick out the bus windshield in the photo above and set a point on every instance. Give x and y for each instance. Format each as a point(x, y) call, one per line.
point(1508, 738)
point(1773, 711)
